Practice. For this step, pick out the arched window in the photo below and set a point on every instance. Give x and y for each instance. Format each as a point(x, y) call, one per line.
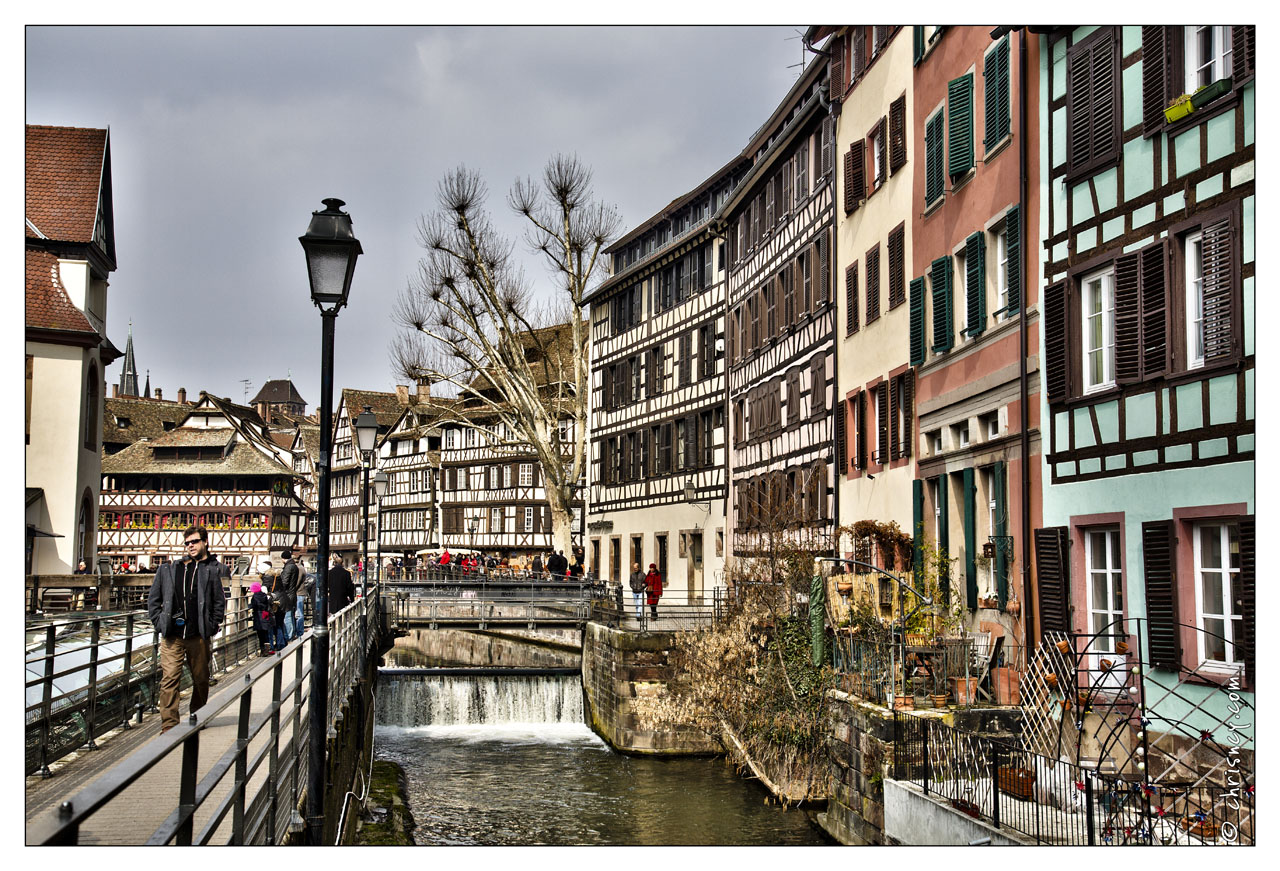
point(92, 408)
point(84, 529)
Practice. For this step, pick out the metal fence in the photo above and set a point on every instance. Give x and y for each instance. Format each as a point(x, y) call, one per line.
point(88, 675)
point(1052, 801)
point(915, 671)
point(248, 793)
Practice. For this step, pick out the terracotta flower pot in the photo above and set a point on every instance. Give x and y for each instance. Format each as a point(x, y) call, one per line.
point(1051, 680)
point(1063, 646)
point(1106, 665)
point(1122, 647)
point(939, 700)
point(844, 588)
point(904, 703)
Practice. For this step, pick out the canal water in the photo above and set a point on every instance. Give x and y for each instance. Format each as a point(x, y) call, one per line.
point(510, 760)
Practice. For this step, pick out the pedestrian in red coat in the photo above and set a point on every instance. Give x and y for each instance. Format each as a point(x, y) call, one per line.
point(653, 583)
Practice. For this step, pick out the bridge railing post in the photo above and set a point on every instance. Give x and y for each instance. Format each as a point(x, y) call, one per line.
point(46, 703)
point(91, 715)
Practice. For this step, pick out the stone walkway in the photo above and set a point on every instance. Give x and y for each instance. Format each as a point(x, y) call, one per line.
point(134, 814)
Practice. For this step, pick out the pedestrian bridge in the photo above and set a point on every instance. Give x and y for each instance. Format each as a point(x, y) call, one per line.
point(481, 602)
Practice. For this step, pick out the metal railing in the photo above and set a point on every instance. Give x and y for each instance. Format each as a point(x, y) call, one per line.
point(617, 608)
point(92, 674)
point(250, 792)
point(918, 671)
point(1053, 801)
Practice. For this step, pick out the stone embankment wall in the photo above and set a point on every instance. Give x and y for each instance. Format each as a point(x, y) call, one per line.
point(860, 749)
point(617, 668)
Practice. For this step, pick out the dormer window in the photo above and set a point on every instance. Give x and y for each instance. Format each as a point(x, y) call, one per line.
point(122, 423)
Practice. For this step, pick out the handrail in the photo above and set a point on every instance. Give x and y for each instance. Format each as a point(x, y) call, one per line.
point(260, 802)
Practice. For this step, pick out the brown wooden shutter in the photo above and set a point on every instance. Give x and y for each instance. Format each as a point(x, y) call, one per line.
point(895, 400)
point(818, 386)
point(668, 443)
point(822, 271)
point(1219, 281)
point(1104, 98)
point(851, 298)
point(771, 294)
point(835, 91)
point(882, 151)
point(1245, 597)
point(770, 213)
point(788, 174)
point(1079, 151)
point(897, 134)
point(1242, 53)
point(897, 268)
point(1056, 354)
point(882, 424)
point(908, 411)
point(859, 51)
point(1128, 343)
point(825, 142)
point(820, 474)
point(855, 176)
point(1164, 642)
point(1155, 78)
point(1155, 341)
point(1052, 573)
point(842, 461)
point(873, 284)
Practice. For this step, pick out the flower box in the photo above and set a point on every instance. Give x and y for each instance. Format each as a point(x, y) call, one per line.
point(1017, 782)
point(1209, 93)
point(1179, 108)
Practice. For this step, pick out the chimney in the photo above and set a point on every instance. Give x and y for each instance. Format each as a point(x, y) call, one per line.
point(182, 395)
point(402, 394)
point(158, 396)
point(115, 390)
point(424, 390)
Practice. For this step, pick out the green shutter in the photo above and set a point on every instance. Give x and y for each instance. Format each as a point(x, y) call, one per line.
point(969, 494)
point(975, 283)
point(995, 76)
point(1000, 480)
point(917, 531)
point(917, 44)
point(1013, 254)
point(917, 339)
point(944, 539)
point(960, 125)
point(943, 318)
point(933, 174)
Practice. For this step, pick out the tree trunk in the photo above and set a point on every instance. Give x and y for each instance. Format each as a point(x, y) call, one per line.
point(561, 523)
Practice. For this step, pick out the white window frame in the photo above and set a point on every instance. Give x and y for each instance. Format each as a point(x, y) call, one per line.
point(1105, 281)
point(877, 168)
point(526, 474)
point(1002, 273)
point(937, 511)
point(989, 485)
point(1106, 567)
point(1231, 577)
point(528, 518)
point(496, 520)
point(471, 438)
point(450, 439)
point(506, 476)
point(960, 297)
point(1206, 67)
point(1194, 251)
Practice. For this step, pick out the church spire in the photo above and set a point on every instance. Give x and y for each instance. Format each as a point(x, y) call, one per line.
point(129, 372)
point(146, 391)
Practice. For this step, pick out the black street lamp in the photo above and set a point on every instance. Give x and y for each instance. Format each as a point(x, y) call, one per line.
point(379, 490)
point(366, 436)
point(473, 525)
point(331, 249)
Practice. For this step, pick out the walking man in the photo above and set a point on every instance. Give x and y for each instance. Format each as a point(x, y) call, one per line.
point(186, 605)
point(342, 591)
point(637, 589)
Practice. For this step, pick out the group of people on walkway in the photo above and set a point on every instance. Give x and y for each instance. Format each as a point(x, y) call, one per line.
point(553, 565)
point(646, 588)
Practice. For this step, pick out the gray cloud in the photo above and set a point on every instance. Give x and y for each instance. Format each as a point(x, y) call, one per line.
point(225, 138)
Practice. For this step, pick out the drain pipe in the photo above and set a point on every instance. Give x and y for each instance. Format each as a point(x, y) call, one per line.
point(1023, 391)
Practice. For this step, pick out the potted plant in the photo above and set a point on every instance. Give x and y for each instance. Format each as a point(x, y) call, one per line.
point(1209, 93)
point(939, 700)
point(1017, 782)
point(904, 703)
point(964, 689)
point(1179, 108)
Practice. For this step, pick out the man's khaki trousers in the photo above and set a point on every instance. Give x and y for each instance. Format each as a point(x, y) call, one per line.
point(172, 653)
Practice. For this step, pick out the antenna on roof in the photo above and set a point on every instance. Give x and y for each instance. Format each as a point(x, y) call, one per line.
point(800, 36)
point(246, 382)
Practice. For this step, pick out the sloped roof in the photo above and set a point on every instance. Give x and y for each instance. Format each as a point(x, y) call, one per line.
point(557, 340)
point(310, 440)
point(48, 305)
point(244, 459)
point(232, 410)
point(282, 437)
point(146, 418)
point(385, 406)
point(64, 181)
point(278, 390)
point(194, 437)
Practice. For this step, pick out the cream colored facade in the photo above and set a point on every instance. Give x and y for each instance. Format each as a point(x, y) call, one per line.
point(57, 460)
point(866, 359)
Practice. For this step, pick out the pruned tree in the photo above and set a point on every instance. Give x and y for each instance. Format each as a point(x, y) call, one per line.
point(471, 320)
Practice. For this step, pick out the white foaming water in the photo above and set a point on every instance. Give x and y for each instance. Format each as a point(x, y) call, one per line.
point(509, 733)
point(415, 701)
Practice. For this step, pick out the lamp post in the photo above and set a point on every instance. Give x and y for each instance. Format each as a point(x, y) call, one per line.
point(366, 435)
point(379, 490)
point(473, 524)
point(331, 250)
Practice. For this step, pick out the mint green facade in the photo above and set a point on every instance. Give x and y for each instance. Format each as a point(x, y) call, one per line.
point(1173, 439)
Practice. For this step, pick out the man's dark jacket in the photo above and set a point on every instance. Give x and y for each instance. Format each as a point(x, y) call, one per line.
point(289, 578)
point(342, 591)
point(211, 602)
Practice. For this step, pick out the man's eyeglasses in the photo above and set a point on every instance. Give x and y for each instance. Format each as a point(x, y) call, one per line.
point(191, 541)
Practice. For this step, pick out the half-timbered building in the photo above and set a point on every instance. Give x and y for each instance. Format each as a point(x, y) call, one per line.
point(659, 469)
point(778, 225)
point(1149, 367)
point(218, 468)
point(492, 487)
point(408, 513)
point(347, 476)
point(973, 319)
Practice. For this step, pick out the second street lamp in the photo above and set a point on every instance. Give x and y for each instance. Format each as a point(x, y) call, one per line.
point(331, 249)
point(366, 436)
point(379, 490)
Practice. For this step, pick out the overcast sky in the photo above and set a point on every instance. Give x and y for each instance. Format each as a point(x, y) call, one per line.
point(224, 139)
